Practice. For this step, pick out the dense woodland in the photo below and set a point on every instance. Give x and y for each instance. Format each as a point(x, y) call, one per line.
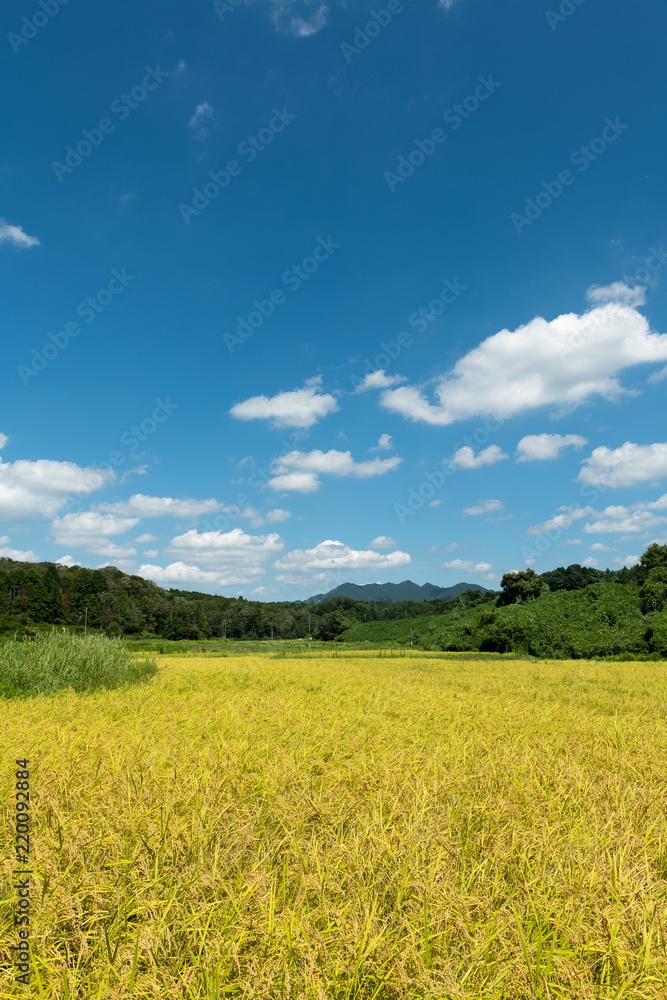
point(576, 611)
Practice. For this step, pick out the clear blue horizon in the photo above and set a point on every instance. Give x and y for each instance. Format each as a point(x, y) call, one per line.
point(300, 293)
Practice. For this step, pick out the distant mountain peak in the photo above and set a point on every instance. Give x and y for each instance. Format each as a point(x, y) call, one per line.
point(392, 592)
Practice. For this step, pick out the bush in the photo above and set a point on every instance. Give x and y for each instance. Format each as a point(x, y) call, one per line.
point(57, 660)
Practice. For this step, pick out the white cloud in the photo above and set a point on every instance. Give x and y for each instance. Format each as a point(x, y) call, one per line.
point(379, 380)
point(91, 531)
point(145, 506)
point(3, 440)
point(202, 120)
point(298, 470)
point(657, 376)
point(572, 541)
point(276, 516)
point(67, 561)
point(591, 561)
point(561, 521)
point(543, 446)
point(451, 547)
point(384, 443)
point(41, 488)
point(618, 291)
point(334, 556)
point(468, 566)
point(435, 503)
point(635, 518)
point(302, 18)
point(628, 561)
point(599, 547)
point(151, 553)
point(144, 539)
point(483, 507)
point(565, 361)
point(295, 482)
point(298, 408)
point(15, 236)
point(625, 466)
point(18, 554)
point(383, 542)
point(226, 550)
point(465, 457)
point(184, 573)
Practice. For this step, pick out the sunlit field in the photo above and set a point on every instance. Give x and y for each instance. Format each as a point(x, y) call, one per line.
point(345, 827)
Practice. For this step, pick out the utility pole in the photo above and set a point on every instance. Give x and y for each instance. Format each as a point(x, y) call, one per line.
point(308, 631)
point(410, 636)
point(85, 624)
point(271, 633)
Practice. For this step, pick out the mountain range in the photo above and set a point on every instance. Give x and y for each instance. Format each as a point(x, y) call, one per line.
point(391, 592)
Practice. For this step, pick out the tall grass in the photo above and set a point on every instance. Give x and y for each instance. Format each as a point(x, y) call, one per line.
point(56, 660)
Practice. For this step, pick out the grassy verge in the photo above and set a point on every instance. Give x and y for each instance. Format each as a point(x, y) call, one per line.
point(52, 661)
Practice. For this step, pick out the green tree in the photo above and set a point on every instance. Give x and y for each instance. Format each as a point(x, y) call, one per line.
point(519, 587)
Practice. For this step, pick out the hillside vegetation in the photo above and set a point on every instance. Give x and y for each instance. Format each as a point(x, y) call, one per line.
point(622, 616)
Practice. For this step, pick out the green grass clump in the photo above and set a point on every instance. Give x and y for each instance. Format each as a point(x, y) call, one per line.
point(57, 660)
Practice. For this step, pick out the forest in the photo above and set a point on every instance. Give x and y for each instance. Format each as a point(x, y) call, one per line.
point(571, 610)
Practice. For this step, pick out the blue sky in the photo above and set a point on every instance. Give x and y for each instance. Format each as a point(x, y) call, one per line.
point(296, 293)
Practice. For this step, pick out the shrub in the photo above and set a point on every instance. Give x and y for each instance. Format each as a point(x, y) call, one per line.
point(57, 660)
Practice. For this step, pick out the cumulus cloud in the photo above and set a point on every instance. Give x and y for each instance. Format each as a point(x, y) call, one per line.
point(202, 120)
point(41, 488)
point(15, 237)
point(618, 291)
point(226, 550)
point(19, 555)
point(297, 408)
point(383, 542)
point(67, 561)
point(625, 466)
point(631, 519)
point(184, 573)
point(599, 547)
point(384, 443)
point(295, 482)
point(299, 470)
point(3, 440)
point(465, 457)
point(379, 380)
point(144, 539)
point(591, 561)
point(483, 507)
point(543, 446)
point(565, 361)
point(334, 556)
point(468, 566)
point(145, 506)
point(91, 531)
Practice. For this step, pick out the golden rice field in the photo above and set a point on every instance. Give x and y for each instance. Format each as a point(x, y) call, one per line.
point(346, 828)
